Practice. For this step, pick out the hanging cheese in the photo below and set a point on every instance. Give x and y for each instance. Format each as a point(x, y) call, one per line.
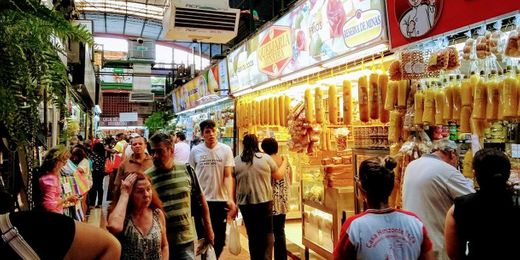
point(333, 105)
point(391, 95)
point(466, 93)
point(318, 105)
point(287, 104)
point(457, 103)
point(281, 104)
point(276, 111)
point(448, 104)
point(402, 93)
point(373, 98)
point(265, 111)
point(309, 106)
point(429, 107)
point(419, 107)
point(510, 97)
point(439, 106)
point(493, 100)
point(384, 115)
point(465, 116)
point(502, 102)
point(248, 114)
point(347, 102)
point(480, 100)
point(363, 99)
point(467, 165)
point(394, 126)
point(271, 111)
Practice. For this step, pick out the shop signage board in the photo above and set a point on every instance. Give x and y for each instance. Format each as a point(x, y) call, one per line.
point(410, 21)
point(115, 121)
point(212, 82)
point(311, 33)
point(116, 78)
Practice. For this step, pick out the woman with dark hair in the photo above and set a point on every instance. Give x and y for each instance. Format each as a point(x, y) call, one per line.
point(280, 198)
point(382, 232)
point(137, 219)
point(49, 195)
point(98, 174)
point(254, 171)
point(477, 222)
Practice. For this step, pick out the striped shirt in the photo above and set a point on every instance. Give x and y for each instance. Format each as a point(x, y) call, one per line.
point(174, 189)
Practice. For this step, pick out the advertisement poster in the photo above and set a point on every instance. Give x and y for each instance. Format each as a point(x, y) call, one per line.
point(313, 32)
point(116, 75)
point(410, 21)
point(213, 82)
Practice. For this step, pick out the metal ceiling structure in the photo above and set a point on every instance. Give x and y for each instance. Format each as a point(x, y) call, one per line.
point(130, 19)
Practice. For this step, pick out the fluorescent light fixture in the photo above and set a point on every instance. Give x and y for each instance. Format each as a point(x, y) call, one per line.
point(302, 73)
point(120, 127)
point(203, 106)
point(265, 85)
point(355, 55)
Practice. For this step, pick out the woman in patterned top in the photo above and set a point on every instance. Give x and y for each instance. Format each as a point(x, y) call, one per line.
point(280, 194)
point(138, 220)
point(48, 194)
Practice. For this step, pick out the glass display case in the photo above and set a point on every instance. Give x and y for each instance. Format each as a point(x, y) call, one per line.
point(323, 208)
point(358, 156)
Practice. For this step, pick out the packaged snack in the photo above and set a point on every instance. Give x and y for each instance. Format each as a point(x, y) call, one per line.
point(419, 107)
point(469, 50)
point(513, 44)
point(453, 58)
point(438, 61)
point(395, 70)
point(482, 47)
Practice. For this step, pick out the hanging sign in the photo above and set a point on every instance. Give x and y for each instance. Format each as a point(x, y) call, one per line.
point(311, 33)
point(274, 52)
point(413, 20)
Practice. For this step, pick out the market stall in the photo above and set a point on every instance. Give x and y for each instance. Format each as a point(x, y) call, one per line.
point(456, 78)
point(206, 97)
point(297, 81)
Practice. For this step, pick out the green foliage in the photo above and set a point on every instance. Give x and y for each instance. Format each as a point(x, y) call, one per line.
point(30, 64)
point(159, 121)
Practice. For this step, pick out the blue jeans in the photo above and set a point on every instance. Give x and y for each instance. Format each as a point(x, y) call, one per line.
point(182, 251)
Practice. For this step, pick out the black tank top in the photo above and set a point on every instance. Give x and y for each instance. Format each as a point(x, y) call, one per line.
point(489, 224)
point(49, 234)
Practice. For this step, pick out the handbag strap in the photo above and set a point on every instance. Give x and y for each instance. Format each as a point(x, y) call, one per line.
point(11, 236)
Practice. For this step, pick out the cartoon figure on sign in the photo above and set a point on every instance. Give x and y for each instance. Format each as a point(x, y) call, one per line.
point(419, 19)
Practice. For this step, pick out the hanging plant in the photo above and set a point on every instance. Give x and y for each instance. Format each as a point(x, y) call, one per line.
point(31, 67)
point(159, 121)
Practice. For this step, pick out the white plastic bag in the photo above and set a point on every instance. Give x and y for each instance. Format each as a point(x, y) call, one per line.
point(234, 238)
point(207, 253)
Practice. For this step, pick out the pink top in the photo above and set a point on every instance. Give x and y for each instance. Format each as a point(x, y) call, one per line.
point(51, 193)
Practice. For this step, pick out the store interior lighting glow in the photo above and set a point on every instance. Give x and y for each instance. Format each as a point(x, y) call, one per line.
point(203, 106)
point(355, 56)
point(302, 73)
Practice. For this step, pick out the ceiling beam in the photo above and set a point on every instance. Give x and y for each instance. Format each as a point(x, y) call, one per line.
point(126, 16)
point(142, 29)
point(106, 22)
point(159, 34)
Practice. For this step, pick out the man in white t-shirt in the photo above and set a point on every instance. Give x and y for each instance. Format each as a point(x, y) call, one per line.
point(431, 184)
point(182, 149)
point(213, 163)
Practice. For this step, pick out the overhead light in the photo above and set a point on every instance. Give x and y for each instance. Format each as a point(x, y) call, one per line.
point(355, 55)
point(203, 106)
point(302, 73)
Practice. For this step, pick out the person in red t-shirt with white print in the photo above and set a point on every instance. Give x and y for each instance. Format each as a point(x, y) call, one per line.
point(382, 232)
